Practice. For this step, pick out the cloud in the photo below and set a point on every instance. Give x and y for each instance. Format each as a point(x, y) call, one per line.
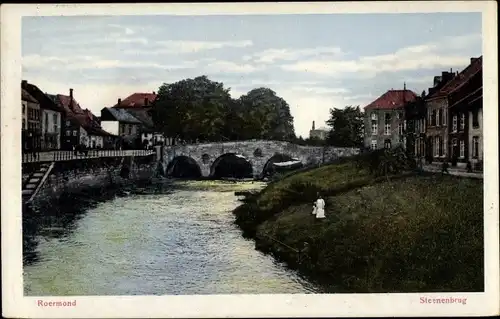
point(230, 67)
point(197, 46)
point(273, 55)
point(39, 62)
point(426, 56)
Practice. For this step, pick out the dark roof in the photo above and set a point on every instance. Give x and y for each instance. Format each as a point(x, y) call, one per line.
point(25, 96)
point(122, 115)
point(136, 100)
point(392, 99)
point(143, 116)
point(97, 131)
point(475, 66)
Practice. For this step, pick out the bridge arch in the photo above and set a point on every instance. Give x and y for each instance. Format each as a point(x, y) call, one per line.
point(231, 165)
point(277, 157)
point(184, 167)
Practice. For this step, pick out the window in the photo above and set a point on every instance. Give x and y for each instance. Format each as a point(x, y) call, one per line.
point(462, 121)
point(454, 126)
point(68, 133)
point(46, 122)
point(68, 123)
point(399, 115)
point(55, 122)
point(475, 119)
point(387, 129)
point(439, 115)
point(74, 132)
point(374, 116)
point(436, 146)
point(400, 128)
point(475, 147)
point(444, 117)
point(387, 117)
point(462, 148)
point(374, 128)
point(374, 144)
point(24, 109)
point(24, 124)
point(387, 144)
point(130, 129)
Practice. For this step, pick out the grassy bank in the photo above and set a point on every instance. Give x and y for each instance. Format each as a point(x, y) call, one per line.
point(408, 233)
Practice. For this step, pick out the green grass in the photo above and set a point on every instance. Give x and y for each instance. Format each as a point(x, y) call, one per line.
point(410, 234)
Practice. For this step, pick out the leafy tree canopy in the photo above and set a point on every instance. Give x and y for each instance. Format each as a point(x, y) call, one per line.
point(347, 127)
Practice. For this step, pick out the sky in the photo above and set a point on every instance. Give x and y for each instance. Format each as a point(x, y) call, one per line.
point(314, 61)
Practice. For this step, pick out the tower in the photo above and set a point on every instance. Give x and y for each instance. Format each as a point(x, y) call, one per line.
point(313, 127)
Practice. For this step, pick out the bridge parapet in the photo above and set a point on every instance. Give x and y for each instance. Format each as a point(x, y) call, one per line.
point(256, 152)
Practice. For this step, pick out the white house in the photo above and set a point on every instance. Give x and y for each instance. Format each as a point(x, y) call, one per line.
point(51, 129)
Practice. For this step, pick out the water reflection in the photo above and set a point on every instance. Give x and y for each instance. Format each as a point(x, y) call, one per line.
point(182, 242)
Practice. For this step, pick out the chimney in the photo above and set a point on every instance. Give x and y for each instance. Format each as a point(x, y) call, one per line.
point(24, 84)
point(472, 60)
point(145, 101)
point(119, 102)
point(71, 94)
point(314, 126)
point(154, 93)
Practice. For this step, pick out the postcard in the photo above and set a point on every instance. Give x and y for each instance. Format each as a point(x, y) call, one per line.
point(249, 160)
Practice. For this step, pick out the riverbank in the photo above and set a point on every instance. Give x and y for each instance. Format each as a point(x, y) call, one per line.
point(408, 233)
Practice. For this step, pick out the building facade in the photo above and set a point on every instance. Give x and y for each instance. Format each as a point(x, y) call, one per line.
point(52, 118)
point(465, 105)
point(448, 118)
point(384, 119)
point(31, 134)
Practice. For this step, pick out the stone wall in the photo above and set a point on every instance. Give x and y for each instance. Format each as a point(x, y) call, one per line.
point(67, 177)
point(257, 153)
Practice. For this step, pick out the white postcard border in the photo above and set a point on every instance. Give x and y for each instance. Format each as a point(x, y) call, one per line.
point(321, 305)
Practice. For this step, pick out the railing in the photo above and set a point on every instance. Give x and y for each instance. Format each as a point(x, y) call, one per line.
point(53, 156)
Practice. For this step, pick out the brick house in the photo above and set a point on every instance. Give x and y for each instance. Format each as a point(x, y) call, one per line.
point(447, 128)
point(384, 119)
point(465, 107)
point(437, 125)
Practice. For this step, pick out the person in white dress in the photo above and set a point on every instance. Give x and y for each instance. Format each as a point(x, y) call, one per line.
point(320, 208)
point(314, 208)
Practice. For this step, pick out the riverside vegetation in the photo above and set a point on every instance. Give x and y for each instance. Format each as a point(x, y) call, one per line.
point(389, 227)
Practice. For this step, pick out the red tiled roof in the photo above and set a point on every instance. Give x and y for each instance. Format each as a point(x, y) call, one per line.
point(392, 99)
point(460, 79)
point(136, 100)
point(69, 107)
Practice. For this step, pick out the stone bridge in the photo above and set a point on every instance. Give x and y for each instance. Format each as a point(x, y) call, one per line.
point(257, 152)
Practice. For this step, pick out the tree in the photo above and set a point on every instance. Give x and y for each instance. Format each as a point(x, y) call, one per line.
point(266, 115)
point(192, 109)
point(347, 126)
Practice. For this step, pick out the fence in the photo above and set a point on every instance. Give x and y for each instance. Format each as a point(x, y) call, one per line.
point(53, 156)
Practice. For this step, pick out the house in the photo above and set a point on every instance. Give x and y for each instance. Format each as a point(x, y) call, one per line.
point(415, 116)
point(139, 105)
point(51, 118)
point(384, 119)
point(31, 128)
point(320, 133)
point(465, 101)
point(121, 123)
point(447, 127)
point(81, 127)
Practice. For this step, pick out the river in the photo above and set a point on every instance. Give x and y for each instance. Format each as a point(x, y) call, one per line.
point(180, 242)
